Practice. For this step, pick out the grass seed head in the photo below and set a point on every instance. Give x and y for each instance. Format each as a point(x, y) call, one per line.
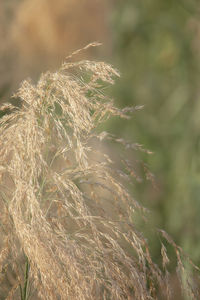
point(63, 205)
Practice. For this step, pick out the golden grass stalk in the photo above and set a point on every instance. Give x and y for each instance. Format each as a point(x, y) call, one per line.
point(63, 203)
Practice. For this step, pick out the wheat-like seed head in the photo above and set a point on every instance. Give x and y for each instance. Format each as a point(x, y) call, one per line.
point(63, 205)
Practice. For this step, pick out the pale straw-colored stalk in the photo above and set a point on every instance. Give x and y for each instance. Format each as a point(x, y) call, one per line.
point(64, 205)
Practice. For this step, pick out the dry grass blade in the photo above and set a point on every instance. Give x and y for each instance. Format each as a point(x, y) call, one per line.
point(62, 203)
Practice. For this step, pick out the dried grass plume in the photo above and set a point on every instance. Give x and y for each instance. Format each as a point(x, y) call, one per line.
point(66, 214)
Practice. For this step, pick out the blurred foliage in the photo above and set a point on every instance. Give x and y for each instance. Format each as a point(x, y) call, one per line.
point(156, 46)
point(37, 35)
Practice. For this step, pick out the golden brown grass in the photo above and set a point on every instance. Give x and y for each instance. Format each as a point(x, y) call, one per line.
point(67, 216)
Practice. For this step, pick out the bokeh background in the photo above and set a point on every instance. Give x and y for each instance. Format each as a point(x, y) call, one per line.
point(156, 46)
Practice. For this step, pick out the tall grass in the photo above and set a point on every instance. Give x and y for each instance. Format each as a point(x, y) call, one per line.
point(67, 217)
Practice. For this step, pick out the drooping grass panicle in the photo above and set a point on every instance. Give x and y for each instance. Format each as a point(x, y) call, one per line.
point(67, 211)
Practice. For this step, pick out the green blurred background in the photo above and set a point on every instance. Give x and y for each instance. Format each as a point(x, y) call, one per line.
point(156, 46)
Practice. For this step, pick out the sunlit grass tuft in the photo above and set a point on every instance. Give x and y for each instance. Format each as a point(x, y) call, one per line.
point(67, 217)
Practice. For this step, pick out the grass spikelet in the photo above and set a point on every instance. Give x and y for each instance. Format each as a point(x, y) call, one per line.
point(64, 209)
